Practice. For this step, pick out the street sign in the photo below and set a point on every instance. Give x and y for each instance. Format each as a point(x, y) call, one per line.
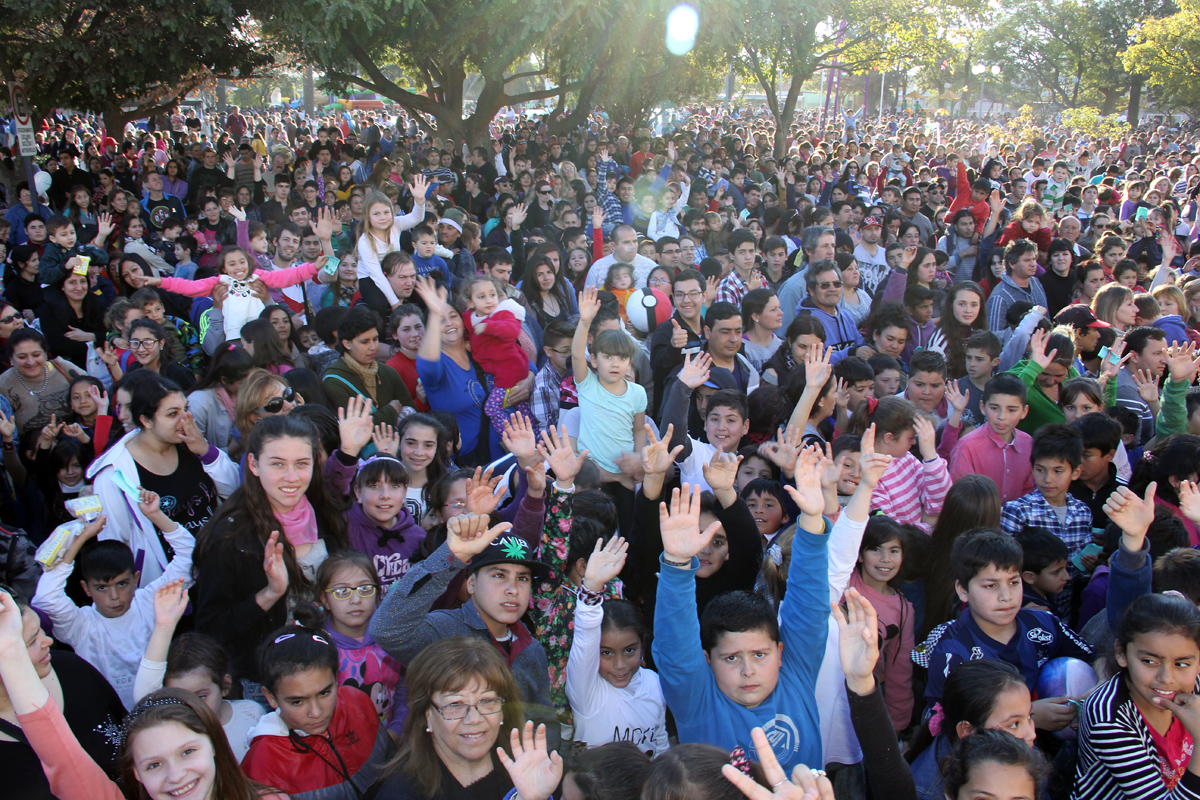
point(20, 104)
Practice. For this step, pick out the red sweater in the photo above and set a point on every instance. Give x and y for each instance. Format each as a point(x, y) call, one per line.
point(962, 199)
point(1014, 231)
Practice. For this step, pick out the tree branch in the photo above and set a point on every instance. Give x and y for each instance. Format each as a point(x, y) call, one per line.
point(543, 94)
point(533, 73)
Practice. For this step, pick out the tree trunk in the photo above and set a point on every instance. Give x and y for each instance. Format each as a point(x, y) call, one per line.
point(1110, 101)
point(784, 119)
point(1135, 100)
point(222, 86)
point(310, 94)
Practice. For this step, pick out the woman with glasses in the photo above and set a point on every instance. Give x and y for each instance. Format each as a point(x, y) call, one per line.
point(262, 394)
point(462, 703)
point(259, 554)
point(11, 321)
point(165, 453)
point(148, 344)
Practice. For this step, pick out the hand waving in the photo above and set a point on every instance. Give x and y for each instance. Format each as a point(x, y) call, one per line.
point(605, 563)
point(680, 526)
point(535, 770)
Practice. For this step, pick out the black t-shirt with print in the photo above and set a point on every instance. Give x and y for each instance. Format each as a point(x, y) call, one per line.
point(188, 496)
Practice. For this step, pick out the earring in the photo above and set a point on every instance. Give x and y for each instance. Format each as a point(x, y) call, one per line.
point(428, 729)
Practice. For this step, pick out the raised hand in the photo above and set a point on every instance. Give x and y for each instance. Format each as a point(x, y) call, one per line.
point(50, 433)
point(520, 213)
point(589, 305)
point(556, 449)
point(680, 526)
point(433, 296)
point(482, 497)
point(275, 566)
point(858, 641)
point(656, 458)
point(385, 440)
point(817, 368)
point(807, 492)
point(956, 398)
point(711, 285)
point(170, 601)
point(1189, 500)
point(871, 465)
point(721, 471)
point(237, 213)
point(149, 502)
point(104, 225)
point(805, 784)
point(1133, 514)
point(696, 370)
point(1147, 385)
point(784, 449)
point(323, 226)
point(354, 425)
point(468, 535)
point(519, 437)
point(1182, 362)
point(1037, 349)
point(419, 186)
point(99, 396)
point(926, 438)
point(605, 563)
point(534, 769)
point(1109, 370)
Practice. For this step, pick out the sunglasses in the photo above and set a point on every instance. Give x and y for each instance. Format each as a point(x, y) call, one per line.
point(275, 404)
point(830, 284)
point(10, 319)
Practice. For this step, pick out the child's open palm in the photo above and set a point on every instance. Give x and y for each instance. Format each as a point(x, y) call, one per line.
point(721, 471)
point(605, 563)
point(468, 535)
point(696, 370)
point(680, 526)
point(589, 304)
point(656, 458)
point(871, 465)
point(807, 492)
point(170, 602)
point(556, 448)
point(482, 497)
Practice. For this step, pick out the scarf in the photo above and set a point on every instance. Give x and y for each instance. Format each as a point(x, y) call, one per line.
point(300, 524)
point(226, 401)
point(369, 375)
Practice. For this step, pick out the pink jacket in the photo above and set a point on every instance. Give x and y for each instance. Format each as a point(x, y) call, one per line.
point(894, 669)
point(274, 279)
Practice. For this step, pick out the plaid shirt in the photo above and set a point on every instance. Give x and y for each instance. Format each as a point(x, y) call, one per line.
point(544, 400)
point(732, 289)
point(613, 213)
point(1033, 510)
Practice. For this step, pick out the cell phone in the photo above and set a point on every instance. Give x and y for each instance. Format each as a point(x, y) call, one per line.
point(1092, 549)
point(1106, 354)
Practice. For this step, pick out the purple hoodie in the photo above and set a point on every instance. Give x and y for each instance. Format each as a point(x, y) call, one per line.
point(363, 665)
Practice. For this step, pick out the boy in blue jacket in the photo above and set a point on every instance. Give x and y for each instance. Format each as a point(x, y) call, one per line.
point(740, 667)
point(62, 251)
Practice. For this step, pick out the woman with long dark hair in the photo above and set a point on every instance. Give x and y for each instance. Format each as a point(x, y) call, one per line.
point(72, 317)
point(260, 552)
point(547, 291)
point(962, 315)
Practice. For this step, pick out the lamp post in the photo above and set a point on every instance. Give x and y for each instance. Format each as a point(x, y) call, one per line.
point(983, 70)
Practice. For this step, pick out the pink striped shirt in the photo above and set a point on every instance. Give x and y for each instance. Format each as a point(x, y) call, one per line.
point(911, 488)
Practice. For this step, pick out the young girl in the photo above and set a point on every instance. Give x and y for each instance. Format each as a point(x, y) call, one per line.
point(1137, 729)
point(619, 281)
point(408, 325)
point(238, 272)
point(380, 523)
point(994, 765)
point(493, 326)
point(169, 741)
point(880, 558)
point(422, 451)
point(1027, 223)
point(349, 592)
point(195, 663)
point(321, 735)
point(579, 261)
point(613, 697)
point(912, 490)
point(980, 695)
point(261, 341)
point(382, 233)
point(961, 316)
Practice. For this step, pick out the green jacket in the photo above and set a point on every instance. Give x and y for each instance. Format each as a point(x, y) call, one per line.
point(391, 387)
point(1042, 410)
point(1172, 410)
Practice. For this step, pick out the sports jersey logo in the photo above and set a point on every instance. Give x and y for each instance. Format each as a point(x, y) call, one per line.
point(1039, 636)
point(783, 734)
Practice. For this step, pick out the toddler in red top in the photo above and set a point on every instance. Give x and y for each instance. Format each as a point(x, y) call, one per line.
point(493, 325)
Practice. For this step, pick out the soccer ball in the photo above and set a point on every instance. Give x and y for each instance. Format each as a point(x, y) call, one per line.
point(648, 308)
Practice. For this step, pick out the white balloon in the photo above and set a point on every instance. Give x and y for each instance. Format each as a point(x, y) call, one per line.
point(42, 182)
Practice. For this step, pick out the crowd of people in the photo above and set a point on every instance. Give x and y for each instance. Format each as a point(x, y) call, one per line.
point(343, 460)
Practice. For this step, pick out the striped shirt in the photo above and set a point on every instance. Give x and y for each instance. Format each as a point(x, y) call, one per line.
point(910, 488)
point(1117, 757)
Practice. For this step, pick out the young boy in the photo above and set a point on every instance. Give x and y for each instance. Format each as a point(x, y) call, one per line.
point(502, 568)
point(556, 344)
point(326, 324)
point(859, 379)
point(112, 633)
point(612, 409)
point(185, 251)
point(997, 449)
point(424, 244)
point(62, 252)
point(918, 302)
point(1098, 478)
point(982, 357)
point(987, 577)
point(1043, 567)
point(741, 666)
point(889, 375)
point(927, 384)
point(1057, 459)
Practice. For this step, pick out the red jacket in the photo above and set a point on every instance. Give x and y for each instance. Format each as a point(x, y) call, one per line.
point(962, 199)
point(298, 764)
point(497, 349)
point(1014, 231)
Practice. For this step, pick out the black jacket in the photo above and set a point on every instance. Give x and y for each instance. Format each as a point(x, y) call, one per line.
point(665, 358)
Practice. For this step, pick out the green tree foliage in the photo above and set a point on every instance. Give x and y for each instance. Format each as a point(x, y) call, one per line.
point(125, 59)
point(1167, 52)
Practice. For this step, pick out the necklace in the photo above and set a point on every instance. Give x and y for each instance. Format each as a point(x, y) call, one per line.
point(45, 383)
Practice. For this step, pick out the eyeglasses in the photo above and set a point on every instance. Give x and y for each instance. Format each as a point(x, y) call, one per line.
point(488, 706)
point(566, 352)
point(695, 294)
point(651, 282)
point(545, 192)
point(275, 404)
point(142, 344)
point(10, 319)
point(829, 285)
point(344, 592)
